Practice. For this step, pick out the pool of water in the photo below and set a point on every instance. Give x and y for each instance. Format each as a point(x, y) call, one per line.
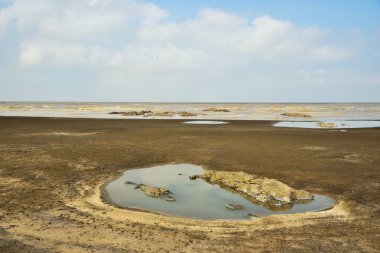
point(331, 124)
point(195, 199)
point(205, 122)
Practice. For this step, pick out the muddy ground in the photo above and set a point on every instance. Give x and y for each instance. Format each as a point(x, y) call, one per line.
point(51, 170)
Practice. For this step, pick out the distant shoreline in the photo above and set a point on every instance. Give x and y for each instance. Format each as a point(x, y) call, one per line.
point(198, 111)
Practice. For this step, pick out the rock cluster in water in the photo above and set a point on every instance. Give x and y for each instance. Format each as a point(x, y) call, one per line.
point(147, 113)
point(296, 114)
point(258, 188)
point(133, 113)
point(154, 192)
point(213, 109)
point(326, 124)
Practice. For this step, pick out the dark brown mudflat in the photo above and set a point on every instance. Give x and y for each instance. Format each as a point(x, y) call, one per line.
point(46, 177)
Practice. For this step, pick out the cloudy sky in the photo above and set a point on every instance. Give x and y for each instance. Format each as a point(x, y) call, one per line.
point(215, 51)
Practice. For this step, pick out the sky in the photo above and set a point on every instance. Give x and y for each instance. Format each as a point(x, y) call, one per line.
point(190, 51)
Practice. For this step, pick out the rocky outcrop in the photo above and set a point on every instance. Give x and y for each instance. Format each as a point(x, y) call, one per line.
point(156, 192)
point(258, 188)
point(147, 113)
point(213, 109)
point(326, 124)
point(187, 114)
point(162, 114)
point(133, 113)
point(296, 114)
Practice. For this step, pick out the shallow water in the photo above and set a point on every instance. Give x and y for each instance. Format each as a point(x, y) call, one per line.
point(337, 124)
point(205, 122)
point(194, 198)
point(237, 111)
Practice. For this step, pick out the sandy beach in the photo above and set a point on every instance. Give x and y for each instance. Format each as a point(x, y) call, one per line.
point(52, 171)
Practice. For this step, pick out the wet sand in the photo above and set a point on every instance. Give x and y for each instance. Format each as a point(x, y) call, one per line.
point(50, 185)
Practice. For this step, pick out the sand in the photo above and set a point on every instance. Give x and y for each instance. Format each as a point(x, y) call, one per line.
point(50, 185)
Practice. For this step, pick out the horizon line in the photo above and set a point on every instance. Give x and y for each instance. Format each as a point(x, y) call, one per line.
point(190, 102)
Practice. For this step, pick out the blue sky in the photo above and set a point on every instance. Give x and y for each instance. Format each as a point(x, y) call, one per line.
point(340, 14)
point(215, 51)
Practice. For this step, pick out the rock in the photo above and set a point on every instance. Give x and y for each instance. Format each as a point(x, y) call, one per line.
point(258, 188)
point(234, 207)
point(155, 192)
point(129, 182)
point(326, 124)
point(213, 109)
point(147, 113)
point(253, 216)
point(163, 114)
point(170, 199)
point(187, 114)
point(296, 114)
point(194, 177)
point(133, 113)
point(302, 195)
point(280, 206)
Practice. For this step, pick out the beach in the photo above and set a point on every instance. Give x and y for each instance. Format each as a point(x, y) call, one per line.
point(52, 171)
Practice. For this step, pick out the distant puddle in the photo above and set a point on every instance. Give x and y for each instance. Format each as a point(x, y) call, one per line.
point(330, 124)
point(205, 122)
point(195, 199)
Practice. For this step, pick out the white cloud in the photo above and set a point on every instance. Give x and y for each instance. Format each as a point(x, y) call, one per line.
point(132, 57)
point(328, 53)
point(76, 19)
point(69, 32)
point(36, 52)
point(119, 40)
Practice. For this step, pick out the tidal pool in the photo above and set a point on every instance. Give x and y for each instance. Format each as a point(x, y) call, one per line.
point(205, 122)
point(330, 124)
point(195, 199)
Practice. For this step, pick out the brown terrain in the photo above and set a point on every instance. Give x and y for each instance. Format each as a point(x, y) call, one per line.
point(52, 169)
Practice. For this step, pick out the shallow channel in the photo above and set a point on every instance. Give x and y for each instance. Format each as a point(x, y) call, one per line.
point(330, 124)
point(195, 199)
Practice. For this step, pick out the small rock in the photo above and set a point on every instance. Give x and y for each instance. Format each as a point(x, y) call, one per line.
point(252, 215)
point(130, 182)
point(234, 207)
point(154, 192)
point(170, 199)
point(194, 177)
